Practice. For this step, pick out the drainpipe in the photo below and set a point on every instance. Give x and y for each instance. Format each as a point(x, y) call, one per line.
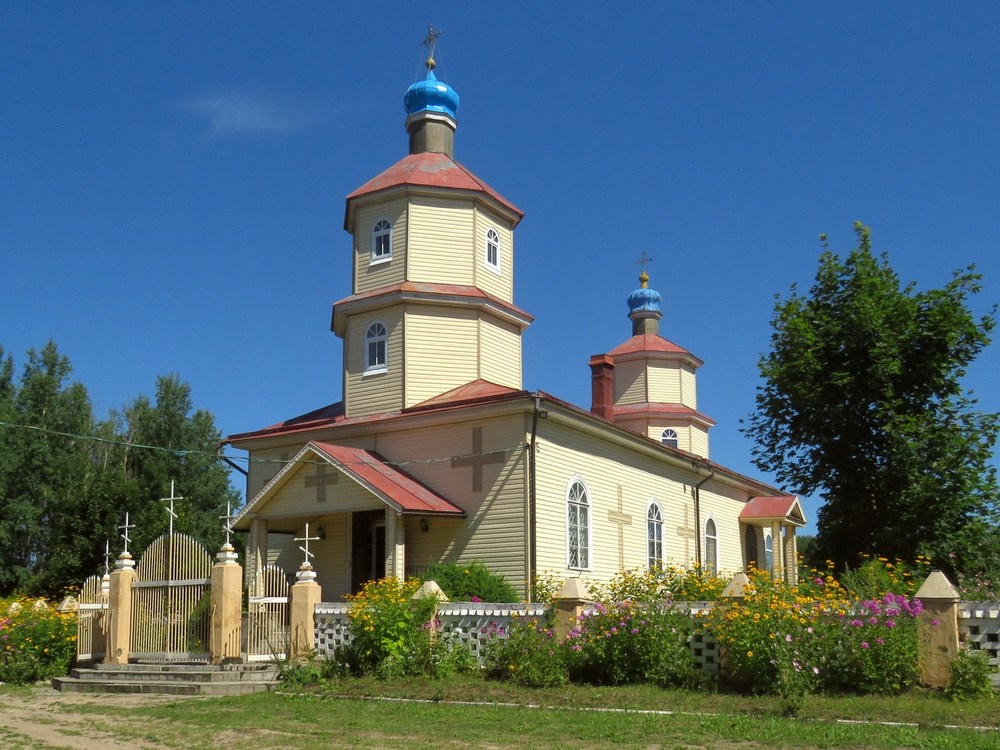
point(697, 514)
point(537, 401)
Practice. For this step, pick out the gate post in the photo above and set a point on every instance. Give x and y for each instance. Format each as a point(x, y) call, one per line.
point(120, 610)
point(303, 598)
point(937, 629)
point(225, 639)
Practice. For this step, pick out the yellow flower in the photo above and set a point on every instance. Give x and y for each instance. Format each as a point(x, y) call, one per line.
point(749, 653)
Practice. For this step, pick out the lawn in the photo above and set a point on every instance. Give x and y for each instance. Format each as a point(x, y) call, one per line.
point(467, 712)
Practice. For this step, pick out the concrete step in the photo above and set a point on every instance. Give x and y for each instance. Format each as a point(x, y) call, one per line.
point(172, 679)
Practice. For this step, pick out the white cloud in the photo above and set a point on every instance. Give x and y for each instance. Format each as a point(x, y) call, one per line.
point(234, 112)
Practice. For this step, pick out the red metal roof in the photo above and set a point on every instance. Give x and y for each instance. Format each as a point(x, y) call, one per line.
point(651, 343)
point(430, 170)
point(783, 507)
point(369, 468)
point(477, 390)
point(660, 409)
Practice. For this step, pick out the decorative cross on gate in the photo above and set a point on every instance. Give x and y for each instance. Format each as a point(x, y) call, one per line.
point(320, 480)
point(228, 521)
point(170, 510)
point(622, 519)
point(107, 555)
point(478, 459)
point(306, 539)
point(686, 532)
point(125, 527)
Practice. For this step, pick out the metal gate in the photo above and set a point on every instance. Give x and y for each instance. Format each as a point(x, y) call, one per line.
point(92, 619)
point(267, 617)
point(171, 601)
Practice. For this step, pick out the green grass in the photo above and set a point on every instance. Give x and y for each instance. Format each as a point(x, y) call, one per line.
point(356, 713)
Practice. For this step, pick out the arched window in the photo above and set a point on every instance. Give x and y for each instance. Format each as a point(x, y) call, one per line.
point(381, 241)
point(493, 249)
point(654, 536)
point(711, 547)
point(750, 543)
point(375, 348)
point(768, 550)
point(578, 525)
point(669, 437)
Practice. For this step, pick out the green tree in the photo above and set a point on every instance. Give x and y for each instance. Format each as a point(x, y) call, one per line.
point(862, 403)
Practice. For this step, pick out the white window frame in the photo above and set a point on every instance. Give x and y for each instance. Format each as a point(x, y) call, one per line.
point(654, 534)
point(669, 437)
point(373, 335)
point(492, 240)
point(579, 506)
point(768, 550)
point(381, 228)
point(711, 563)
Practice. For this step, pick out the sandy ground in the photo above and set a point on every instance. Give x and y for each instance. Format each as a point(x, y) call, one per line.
point(46, 718)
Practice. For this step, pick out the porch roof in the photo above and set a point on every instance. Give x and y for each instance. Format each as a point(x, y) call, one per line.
point(783, 508)
point(389, 484)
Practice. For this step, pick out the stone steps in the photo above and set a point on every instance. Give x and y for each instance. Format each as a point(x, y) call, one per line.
point(170, 679)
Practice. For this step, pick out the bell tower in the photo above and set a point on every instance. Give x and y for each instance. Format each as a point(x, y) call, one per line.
point(431, 307)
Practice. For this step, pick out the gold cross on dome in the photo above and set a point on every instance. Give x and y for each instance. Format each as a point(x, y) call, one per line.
point(430, 40)
point(644, 260)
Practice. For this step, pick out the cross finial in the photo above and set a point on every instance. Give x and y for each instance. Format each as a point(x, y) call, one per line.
point(125, 528)
point(228, 520)
point(305, 549)
point(429, 42)
point(643, 260)
point(170, 510)
point(107, 554)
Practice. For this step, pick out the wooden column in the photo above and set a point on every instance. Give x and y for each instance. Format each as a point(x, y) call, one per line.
point(937, 629)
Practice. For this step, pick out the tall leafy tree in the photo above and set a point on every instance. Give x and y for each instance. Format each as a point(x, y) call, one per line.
point(862, 403)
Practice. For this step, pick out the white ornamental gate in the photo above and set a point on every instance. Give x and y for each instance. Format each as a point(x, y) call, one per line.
point(92, 619)
point(267, 617)
point(171, 601)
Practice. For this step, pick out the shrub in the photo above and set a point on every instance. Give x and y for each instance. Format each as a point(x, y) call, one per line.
point(970, 677)
point(626, 642)
point(36, 641)
point(659, 584)
point(470, 582)
point(385, 622)
point(875, 648)
point(529, 656)
point(877, 576)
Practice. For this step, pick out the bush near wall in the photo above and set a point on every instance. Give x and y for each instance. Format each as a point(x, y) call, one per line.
point(36, 641)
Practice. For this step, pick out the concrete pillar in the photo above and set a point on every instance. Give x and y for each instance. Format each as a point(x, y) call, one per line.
point(303, 597)
point(937, 629)
point(225, 640)
point(569, 604)
point(120, 610)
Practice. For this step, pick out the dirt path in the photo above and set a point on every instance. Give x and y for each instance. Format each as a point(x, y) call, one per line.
point(46, 718)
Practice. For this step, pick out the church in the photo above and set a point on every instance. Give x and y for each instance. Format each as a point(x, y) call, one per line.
point(435, 452)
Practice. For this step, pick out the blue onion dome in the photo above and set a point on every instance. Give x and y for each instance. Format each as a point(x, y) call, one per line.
point(644, 301)
point(431, 95)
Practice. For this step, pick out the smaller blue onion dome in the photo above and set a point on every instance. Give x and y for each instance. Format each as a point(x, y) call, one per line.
point(431, 95)
point(644, 302)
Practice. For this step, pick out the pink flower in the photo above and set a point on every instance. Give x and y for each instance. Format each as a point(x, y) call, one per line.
point(788, 638)
point(864, 644)
point(935, 622)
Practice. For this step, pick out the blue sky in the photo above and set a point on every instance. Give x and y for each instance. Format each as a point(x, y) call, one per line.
point(173, 176)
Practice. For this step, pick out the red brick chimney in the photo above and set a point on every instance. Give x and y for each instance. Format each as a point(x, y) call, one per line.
point(602, 386)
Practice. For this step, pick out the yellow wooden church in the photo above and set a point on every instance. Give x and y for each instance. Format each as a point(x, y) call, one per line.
point(435, 451)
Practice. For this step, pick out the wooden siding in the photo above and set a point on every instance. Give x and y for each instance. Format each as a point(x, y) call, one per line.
point(689, 387)
point(699, 440)
point(498, 284)
point(441, 241)
point(332, 555)
point(664, 382)
point(501, 352)
point(295, 499)
point(442, 345)
point(494, 529)
point(630, 383)
point(373, 394)
point(264, 464)
point(368, 277)
point(604, 467)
